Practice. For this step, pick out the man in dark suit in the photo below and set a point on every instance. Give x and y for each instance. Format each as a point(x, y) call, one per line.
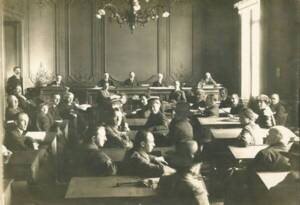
point(177, 94)
point(131, 81)
point(14, 80)
point(212, 109)
point(44, 121)
point(105, 80)
point(159, 82)
point(138, 161)
point(287, 191)
point(54, 107)
point(15, 139)
point(58, 82)
point(157, 123)
point(278, 110)
point(95, 161)
point(12, 108)
point(104, 96)
point(236, 104)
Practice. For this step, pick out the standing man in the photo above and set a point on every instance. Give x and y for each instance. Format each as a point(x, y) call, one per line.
point(14, 80)
point(131, 81)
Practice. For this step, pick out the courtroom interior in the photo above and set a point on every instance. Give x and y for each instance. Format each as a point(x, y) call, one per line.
point(149, 102)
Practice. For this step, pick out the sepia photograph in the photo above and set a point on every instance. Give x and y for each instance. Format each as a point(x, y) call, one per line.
point(149, 102)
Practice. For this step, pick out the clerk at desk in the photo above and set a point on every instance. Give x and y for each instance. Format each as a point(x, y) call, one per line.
point(58, 82)
point(105, 80)
point(208, 80)
point(131, 81)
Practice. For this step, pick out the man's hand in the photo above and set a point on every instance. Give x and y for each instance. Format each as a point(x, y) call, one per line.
point(161, 160)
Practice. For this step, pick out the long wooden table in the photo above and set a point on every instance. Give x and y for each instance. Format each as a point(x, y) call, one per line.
point(230, 133)
point(107, 187)
point(219, 122)
point(271, 179)
point(244, 153)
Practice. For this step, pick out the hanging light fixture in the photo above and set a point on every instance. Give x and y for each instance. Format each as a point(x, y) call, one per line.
point(133, 12)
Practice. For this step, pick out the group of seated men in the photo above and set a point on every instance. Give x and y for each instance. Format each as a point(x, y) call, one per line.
point(105, 125)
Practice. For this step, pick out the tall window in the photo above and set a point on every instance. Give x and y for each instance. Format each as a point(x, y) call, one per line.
point(250, 13)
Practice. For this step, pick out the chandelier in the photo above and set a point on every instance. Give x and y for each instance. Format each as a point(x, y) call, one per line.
point(133, 12)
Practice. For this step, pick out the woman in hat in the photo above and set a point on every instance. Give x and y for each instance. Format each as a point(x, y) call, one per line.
point(251, 133)
point(265, 115)
point(186, 186)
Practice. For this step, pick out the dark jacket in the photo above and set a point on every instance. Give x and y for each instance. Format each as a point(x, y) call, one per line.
point(184, 188)
point(286, 192)
point(177, 95)
point(12, 83)
point(11, 114)
point(270, 159)
point(212, 111)
point(225, 103)
point(102, 82)
point(54, 113)
point(158, 84)
point(43, 122)
point(280, 113)
point(141, 164)
point(157, 122)
point(95, 162)
point(180, 130)
point(235, 110)
point(129, 83)
point(15, 141)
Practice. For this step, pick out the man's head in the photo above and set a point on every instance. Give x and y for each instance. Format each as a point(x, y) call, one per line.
point(17, 70)
point(223, 93)
point(247, 116)
point(69, 97)
point(106, 76)
point(207, 75)
point(200, 95)
point(186, 154)
point(100, 136)
point(279, 134)
point(211, 99)
point(263, 101)
point(123, 98)
point(144, 141)
point(131, 75)
point(56, 99)
point(22, 121)
point(144, 100)
point(18, 90)
point(235, 99)
point(160, 77)
point(44, 108)
point(155, 106)
point(12, 101)
point(275, 99)
point(58, 79)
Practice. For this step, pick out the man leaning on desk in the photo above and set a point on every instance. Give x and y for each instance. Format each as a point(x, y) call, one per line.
point(131, 81)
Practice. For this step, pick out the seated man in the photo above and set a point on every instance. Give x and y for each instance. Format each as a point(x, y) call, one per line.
point(287, 191)
point(180, 127)
point(15, 139)
point(105, 80)
point(131, 81)
point(208, 80)
point(198, 99)
point(265, 115)
point(225, 101)
point(177, 94)
point(278, 110)
point(58, 82)
point(104, 96)
point(95, 161)
point(138, 161)
point(44, 122)
point(54, 107)
point(144, 109)
point(12, 108)
point(251, 133)
point(117, 134)
point(212, 108)
point(14, 80)
point(157, 123)
point(25, 104)
point(159, 82)
point(270, 158)
point(186, 186)
point(236, 104)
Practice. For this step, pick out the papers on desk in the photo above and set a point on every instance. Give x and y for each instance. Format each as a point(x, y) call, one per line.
point(225, 110)
point(36, 136)
point(246, 152)
point(84, 107)
point(271, 179)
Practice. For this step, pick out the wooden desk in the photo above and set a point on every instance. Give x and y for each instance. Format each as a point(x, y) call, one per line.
point(243, 153)
point(228, 133)
point(6, 195)
point(24, 165)
point(136, 122)
point(271, 179)
point(106, 187)
point(218, 122)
